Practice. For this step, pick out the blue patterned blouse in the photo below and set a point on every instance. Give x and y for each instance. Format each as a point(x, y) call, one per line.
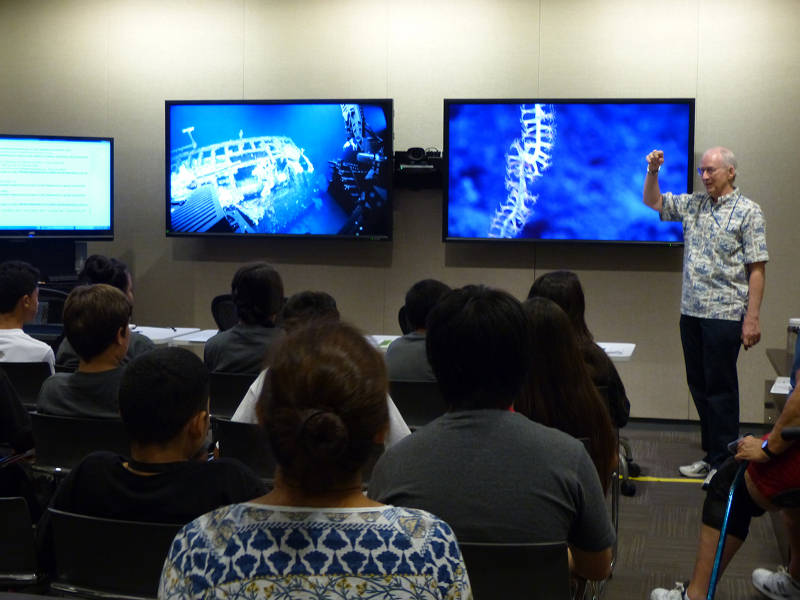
point(253, 551)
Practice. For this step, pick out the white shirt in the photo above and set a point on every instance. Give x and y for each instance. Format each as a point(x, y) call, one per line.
point(18, 346)
point(246, 412)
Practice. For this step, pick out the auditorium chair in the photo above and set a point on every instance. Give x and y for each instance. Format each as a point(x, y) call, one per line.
point(224, 311)
point(419, 402)
point(17, 553)
point(247, 443)
point(226, 391)
point(27, 378)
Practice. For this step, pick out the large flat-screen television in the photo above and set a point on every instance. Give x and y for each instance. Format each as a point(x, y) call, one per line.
point(279, 168)
point(56, 186)
point(562, 169)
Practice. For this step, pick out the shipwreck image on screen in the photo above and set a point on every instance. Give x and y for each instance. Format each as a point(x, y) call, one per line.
point(280, 169)
point(562, 170)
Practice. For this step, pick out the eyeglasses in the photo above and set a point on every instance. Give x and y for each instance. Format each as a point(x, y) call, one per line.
point(709, 170)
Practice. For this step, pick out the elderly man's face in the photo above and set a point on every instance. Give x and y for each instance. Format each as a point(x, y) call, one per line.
point(716, 175)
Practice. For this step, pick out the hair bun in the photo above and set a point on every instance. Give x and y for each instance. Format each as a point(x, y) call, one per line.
point(323, 434)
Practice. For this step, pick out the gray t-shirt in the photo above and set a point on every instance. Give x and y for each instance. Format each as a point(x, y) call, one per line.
point(67, 358)
point(240, 349)
point(80, 394)
point(406, 359)
point(496, 476)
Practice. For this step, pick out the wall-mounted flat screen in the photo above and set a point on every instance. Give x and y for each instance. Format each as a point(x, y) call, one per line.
point(279, 168)
point(56, 187)
point(569, 170)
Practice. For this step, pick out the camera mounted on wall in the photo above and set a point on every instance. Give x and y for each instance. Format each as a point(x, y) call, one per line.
point(418, 168)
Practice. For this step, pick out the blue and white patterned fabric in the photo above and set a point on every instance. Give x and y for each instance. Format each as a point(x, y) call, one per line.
point(253, 551)
point(720, 239)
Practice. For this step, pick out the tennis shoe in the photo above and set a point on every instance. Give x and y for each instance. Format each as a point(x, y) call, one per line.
point(696, 470)
point(778, 585)
point(676, 593)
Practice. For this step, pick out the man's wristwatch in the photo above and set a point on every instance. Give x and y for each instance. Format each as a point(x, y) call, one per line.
point(765, 449)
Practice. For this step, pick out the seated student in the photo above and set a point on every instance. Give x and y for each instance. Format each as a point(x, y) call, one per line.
point(774, 468)
point(163, 402)
point(96, 324)
point(316, 535)
point(406, 358)
point(301, 309)
point(99, 269)
point(257, 291)
point(19, 300)
point(559, 392)
point(564, 288)
point(493, 474)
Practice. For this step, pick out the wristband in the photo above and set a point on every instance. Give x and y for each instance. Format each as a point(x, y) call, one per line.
point(765, 449)
point(653, 172)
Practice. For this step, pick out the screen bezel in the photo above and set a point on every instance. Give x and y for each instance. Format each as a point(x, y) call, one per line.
point(448, 102)
point(81, 234)
point(388, 103)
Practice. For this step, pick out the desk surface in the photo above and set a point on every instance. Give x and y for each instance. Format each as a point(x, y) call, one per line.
point(162, 335)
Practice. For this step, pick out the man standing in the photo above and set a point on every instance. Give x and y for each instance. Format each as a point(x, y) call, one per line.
point(725, 253)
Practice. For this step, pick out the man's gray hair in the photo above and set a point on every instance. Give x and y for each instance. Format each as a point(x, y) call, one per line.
point(728, 157)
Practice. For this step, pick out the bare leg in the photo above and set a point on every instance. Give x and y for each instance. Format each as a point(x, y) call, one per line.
point(791, 517)
point(704, 563)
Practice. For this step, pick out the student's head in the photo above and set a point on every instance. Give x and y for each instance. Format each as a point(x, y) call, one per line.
point(19, 283)
point(559, 391)
point(420, 300)
point(304, 307)
point(257, 291)
point(477, 344)
point(95, 318)
point(161, 393)
point(324, 404)
point(101, 269)
point(564, 288)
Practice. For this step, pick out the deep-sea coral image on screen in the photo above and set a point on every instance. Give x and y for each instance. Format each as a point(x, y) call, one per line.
point(563, 170)
point(280, 169)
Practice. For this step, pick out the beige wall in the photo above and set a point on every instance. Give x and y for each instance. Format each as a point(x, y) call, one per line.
point(97, 67)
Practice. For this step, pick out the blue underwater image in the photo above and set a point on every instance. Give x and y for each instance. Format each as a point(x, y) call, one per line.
point(286, 168)
point(586, 180)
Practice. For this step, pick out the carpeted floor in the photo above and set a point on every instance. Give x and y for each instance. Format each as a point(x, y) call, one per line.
point(659, 525)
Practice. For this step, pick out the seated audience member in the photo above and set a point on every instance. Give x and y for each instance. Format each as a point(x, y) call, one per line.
point(15, 439)
point(96, 325)
point(493, 474)
point(301, 309)
point(19, 300)
point(406, 358)
point(99, 269)
point(163, 402)
point(774, 468)
point(323, 408)
point(257, 291)
point(559, 392)
point(564, 288)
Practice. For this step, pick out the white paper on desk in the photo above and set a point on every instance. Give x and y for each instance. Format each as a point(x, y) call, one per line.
point(781, 386)
point(162, 334)
point(201, 336)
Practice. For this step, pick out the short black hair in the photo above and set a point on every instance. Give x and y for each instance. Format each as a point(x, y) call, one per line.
point(160, 391)
point(93, 315)
point(17, 279)
point(304, 307)
point(477, 344)
point(101, 269)
point(257, 290)
point(420, 300)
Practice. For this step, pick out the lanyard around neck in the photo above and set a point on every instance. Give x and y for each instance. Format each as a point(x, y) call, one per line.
point(730, 216)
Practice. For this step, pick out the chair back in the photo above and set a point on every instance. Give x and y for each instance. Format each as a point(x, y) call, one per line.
point(27, 378)
point(224, 311)
point(107, 558)
point(247, 443)
point(529, 570)
point(419, 402)
point(226, 391)
point(51, 305)
point(17, 553)
point(62, 442)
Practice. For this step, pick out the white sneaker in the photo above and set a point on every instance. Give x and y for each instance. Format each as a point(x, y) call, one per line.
point(676, 593)
point(709, 477)
point(778, 585)
point(696, 470)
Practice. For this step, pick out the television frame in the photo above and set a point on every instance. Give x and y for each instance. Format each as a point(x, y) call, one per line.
point(386, 103)
point(78, 234)
point(448, 102)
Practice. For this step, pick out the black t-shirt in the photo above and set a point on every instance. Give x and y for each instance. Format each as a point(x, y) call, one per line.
point(605, 376)
point(101, 486)
point(80, 394)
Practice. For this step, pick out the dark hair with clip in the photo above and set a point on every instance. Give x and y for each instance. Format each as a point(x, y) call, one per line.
point(323, 404)
point(101, 269)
